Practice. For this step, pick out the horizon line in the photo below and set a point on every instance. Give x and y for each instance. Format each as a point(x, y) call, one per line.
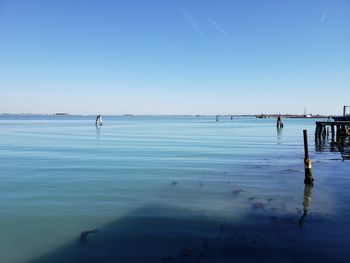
point(161, 114)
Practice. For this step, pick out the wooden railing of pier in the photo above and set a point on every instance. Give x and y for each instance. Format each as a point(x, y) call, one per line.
point(338, 128)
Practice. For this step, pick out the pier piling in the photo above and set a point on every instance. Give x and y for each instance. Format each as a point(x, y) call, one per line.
point(307, 161)
point(279, 122)
point(333, 132)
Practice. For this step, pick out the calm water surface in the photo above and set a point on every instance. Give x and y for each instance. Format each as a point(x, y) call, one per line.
point(168, 189)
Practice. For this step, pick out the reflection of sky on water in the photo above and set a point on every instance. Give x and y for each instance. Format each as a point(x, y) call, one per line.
point(58, 180)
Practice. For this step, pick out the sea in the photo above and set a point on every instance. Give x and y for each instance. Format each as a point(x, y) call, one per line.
point(169, 189)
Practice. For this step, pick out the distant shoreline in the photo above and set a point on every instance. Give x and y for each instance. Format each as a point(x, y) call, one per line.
point(260, 116)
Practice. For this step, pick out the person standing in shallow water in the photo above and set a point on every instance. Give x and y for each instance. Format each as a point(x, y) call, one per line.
point(279, 122)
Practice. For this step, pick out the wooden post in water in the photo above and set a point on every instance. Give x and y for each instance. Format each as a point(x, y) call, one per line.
point(279, 122)
point(307, 162)
point(324, 131)
point(318, 131)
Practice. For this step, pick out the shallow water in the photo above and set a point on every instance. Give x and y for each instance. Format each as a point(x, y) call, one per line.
point(168, 189)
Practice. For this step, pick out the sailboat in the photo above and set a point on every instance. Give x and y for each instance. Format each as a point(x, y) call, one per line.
point(306, 115)
point(99, 121)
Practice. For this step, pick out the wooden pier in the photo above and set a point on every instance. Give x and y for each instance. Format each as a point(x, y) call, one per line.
point(340, 137)
point(337, 128)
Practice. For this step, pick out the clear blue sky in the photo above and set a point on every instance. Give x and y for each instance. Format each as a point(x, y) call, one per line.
point(174, 57)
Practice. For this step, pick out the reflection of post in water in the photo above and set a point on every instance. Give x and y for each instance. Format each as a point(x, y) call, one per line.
point(308, 181)
point(279, 134)
point(279, 131)
point(306, 203)
point(98, 132)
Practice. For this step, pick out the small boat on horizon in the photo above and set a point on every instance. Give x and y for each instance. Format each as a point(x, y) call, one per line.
point(307, 115)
